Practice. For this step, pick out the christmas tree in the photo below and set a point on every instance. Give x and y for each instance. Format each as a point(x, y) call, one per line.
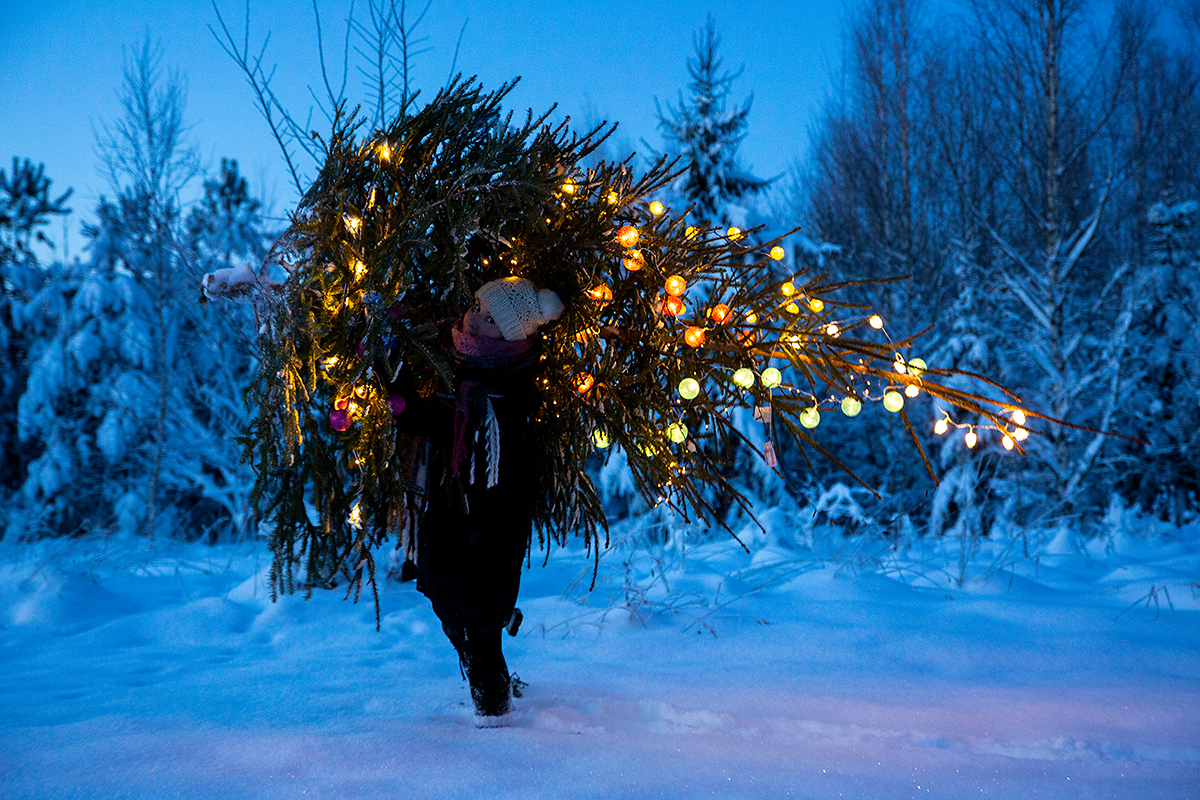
point(668, 327)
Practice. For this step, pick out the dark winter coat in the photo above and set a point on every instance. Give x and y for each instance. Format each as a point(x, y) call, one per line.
point(472, 538)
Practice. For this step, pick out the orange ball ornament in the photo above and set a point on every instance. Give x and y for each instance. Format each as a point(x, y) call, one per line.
point(676, 285)
point(673, 306)
point(694, 336)
point(720, 313)
point(583, 382)
point(628, 235)
point(601, 293)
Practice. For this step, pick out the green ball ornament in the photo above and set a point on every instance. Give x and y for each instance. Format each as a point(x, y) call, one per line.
point(677, 432)
point(893, 401)
point(851, 406)
point(689, 388)
point(810, 417)
point(744, 378)
point(771, 377)
point(601, 439)
point(916, 366)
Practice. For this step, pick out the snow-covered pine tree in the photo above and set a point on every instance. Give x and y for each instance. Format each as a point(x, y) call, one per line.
point(706, 134)
point(25, 208)
point(1159, 472)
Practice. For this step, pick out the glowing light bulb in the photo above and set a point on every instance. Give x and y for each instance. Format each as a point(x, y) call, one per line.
point(633, 260)
point(911, 391)
point(568, 187)
point(941, 426)
point(970, 439)
point(694, 336)
point(810, 417)
point(353, 223)
point(612, 198)
point(600, 439)
point(720, 313)
point(916, 366)
point(628, 235)
point(771, 377)
point(330, 362)
point(876, 321)
point(734, 233)
point(657, 208)
point(787, 288)
point(893, 401)
point(751, 318)
point(677, 432)
point(792, 308)
point(744, 377)
point(1007, 442)
point(384, 151)
point(777, 253)
point(356, 516)
point(358, 268)
point(832, 330)
point(690, 232)
point(1018, 416)
point(1020, 434)
point(689, 388)
point(676, 285)
point(898, 365)
point(851, 406)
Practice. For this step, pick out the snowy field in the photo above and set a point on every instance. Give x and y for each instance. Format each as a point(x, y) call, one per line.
point(133, 671)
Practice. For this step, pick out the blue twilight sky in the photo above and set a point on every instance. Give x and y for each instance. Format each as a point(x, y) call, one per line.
point(61, 64)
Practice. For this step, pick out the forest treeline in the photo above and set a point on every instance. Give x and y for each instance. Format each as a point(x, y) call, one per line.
point(1031, 164)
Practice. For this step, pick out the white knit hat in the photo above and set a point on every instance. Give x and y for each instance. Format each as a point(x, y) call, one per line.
point(517, 306)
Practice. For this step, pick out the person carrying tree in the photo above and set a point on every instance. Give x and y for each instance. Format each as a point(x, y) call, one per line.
point(475, 527)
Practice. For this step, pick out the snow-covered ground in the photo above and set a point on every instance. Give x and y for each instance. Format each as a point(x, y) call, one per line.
point(132, 671)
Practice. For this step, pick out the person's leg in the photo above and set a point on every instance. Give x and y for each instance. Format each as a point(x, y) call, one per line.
point(487, 672)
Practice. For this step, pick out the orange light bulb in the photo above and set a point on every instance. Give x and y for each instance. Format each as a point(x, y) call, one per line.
point(628, 235)
point(673, 306)
point(676, 285)
point(720, 313)
point(694, 336)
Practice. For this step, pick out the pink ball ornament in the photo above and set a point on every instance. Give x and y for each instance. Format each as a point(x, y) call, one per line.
point(397, 404)
point(340, 420)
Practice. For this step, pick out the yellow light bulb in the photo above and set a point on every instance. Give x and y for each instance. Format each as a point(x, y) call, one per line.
point(1018, 416)
point(612, 198)
point(942, 426)
point(568, 187)
point(916, 366)
point(970, 439)
point(677, 432)
point(787, 288)
point(751, 318)
point(353, 223)
point(1020, 434)
point(898, 365)
point(876, 321)
point(1007, 442)
point(689, 388)
point(792, 308)
point(657, 208)
point(633, 260)
point(734, 233)
point(911, 391)
point(777, 253)
point(690, 232)
point(628, 235)
point(601, 439)
point(384, 151)
point(358, 268)
point(817, 305)
point(832, 330)
point(356, 516)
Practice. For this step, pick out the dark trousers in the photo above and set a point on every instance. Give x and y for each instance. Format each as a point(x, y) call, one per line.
point(482, 660)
